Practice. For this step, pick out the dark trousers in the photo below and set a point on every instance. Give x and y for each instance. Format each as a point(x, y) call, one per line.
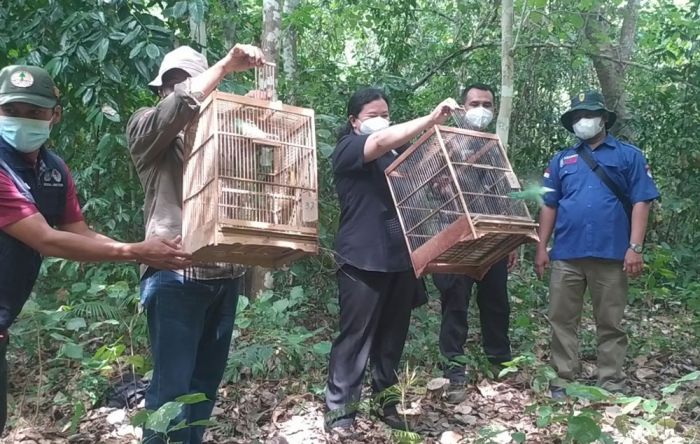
point(375, 311)
point(4, 338)
point(190, 323)
point(494, 312)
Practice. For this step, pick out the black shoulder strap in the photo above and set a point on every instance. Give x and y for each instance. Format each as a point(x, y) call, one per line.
point(21, 185)
point(602, 175)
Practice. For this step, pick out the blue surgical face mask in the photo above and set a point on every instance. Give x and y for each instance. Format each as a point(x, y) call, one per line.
point(24, 135)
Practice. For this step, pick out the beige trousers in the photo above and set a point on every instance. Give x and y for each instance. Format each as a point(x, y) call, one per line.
point(607, 285)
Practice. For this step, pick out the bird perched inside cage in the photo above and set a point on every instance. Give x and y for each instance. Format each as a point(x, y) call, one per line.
point(459, 201)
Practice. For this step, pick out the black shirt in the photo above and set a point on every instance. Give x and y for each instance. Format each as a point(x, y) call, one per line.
point(369, 236)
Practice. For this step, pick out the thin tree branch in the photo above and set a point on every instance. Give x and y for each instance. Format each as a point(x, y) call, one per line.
point(524, 13)
point(628, 29)
point(570, 46)
point(447, 60)
point(589, 54)
point(487, 20)
point(439, 14)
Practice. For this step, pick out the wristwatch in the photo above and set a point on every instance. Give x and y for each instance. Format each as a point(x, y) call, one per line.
point(637, 248)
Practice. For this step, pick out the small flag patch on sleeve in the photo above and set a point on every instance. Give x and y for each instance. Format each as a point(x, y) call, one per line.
point(546, 173)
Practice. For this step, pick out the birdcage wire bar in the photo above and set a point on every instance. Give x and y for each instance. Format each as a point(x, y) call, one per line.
point(250, 188)
point(450, 189)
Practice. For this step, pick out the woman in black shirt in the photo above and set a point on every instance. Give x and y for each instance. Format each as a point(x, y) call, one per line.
point(376, 283)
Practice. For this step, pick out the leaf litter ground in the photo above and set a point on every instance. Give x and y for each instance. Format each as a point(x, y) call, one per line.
point(664, 348)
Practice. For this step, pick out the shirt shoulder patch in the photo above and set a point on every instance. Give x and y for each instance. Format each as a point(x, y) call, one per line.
point(569, 159)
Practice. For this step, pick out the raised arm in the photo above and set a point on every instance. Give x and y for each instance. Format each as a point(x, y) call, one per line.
point(150, 131)
point(239, 58)
point(381, 142)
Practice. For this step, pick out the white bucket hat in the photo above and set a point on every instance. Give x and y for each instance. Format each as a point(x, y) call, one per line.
point(184, 58)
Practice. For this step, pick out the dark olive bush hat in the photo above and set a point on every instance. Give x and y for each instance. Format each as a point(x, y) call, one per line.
point(589, 101)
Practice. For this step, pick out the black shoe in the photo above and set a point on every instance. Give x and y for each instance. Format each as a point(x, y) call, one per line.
point(456, 393)
point(391, 417)
point(343, 428)
point(557, 393)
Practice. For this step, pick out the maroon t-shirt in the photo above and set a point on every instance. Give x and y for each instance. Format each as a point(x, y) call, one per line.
point(15, 207)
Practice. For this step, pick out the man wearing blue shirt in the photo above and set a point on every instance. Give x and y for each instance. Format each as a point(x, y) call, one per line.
point(599, 219)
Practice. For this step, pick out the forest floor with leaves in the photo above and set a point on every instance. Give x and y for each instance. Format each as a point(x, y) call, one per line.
point(498, 410)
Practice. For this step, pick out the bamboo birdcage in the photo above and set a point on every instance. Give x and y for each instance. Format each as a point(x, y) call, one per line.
point(451, 190)
point(250, 187)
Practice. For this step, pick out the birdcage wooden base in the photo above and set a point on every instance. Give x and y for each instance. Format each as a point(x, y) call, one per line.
point(250, 246)
point(471, 249)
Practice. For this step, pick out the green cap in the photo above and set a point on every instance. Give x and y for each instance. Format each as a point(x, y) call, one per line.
point(27, 84)
point(589, 101)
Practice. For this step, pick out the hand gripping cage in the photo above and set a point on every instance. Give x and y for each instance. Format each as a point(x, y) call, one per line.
point(451, 190)
point(250, 187)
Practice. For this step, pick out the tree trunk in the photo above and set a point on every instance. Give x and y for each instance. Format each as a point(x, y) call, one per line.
point(611, 68)
point(506, 100)
point(259, 279)
point(271, 29)
point(289, 54)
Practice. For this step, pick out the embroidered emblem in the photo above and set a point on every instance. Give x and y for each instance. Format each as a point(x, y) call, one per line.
point(22, 79)
point(570, 160)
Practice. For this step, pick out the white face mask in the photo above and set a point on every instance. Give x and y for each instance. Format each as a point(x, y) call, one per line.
point(24, 135)
point(373, 124)
point(587, 128)
point(479, 117)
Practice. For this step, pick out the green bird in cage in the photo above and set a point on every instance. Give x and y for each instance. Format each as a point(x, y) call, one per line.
point(533, 193)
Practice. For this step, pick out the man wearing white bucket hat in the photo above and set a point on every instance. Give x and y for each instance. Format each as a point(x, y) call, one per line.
point(190, 312)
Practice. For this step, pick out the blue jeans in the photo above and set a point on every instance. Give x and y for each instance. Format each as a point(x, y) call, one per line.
point(190, 323)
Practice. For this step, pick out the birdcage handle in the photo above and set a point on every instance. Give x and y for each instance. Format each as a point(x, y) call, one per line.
point(266, 80)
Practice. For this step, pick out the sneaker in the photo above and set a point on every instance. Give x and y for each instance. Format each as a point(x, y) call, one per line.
point(557, 393)
point(391, 417)
point(456, 393)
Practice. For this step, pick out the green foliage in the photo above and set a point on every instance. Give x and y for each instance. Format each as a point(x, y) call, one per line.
point(583, 429)
point(405, 437)
point(273, 340)
point(162, 420)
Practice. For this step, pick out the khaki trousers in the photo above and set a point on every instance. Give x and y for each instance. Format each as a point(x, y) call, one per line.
point(607, 285)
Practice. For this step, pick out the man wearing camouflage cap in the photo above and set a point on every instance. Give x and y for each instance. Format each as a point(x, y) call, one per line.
point(598, 211)
point(39, 211)
point(190, 312)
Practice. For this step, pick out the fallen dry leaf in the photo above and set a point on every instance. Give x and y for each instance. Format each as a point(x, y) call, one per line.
point(437, 384)
point(644, 373)
point(450, 437)
point(463, 409)
point(486, 389)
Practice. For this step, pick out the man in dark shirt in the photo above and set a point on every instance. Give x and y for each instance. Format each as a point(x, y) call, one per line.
point(455, 290)
point(39, 211)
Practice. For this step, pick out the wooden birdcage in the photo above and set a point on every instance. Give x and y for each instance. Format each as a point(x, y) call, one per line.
point(451, 190)
point(250, 187)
